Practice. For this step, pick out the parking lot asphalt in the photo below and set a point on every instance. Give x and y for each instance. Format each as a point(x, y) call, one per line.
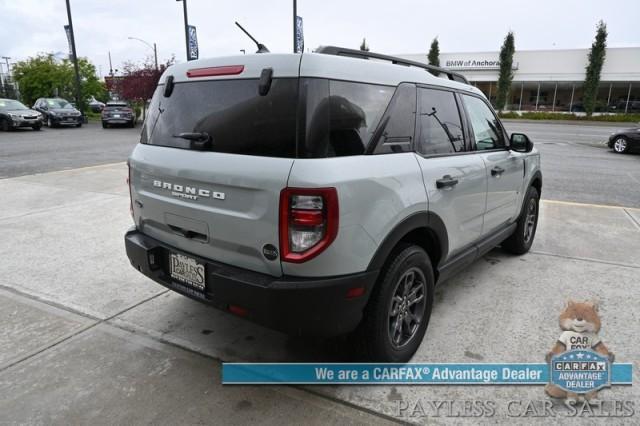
point(575, 163)
point(577, 166)
point(25, 151)
point(86, 338)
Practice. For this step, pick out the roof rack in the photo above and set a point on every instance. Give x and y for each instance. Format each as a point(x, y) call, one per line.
point(343, 51)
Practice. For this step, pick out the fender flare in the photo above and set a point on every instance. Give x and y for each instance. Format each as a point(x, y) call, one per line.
point(536, 175)
point(422, 220)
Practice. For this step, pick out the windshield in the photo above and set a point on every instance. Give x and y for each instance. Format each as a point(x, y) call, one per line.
point(59, 103)
point(10, 104)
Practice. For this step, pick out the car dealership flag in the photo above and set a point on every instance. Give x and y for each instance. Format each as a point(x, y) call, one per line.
point(193, 43)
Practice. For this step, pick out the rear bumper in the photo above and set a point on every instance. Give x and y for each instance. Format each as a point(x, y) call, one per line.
point(294, 305)
point(121, 120)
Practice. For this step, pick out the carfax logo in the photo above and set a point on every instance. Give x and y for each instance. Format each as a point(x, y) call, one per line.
point(579, 362)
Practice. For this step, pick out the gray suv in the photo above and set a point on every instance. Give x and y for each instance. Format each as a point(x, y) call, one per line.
point(325, 193)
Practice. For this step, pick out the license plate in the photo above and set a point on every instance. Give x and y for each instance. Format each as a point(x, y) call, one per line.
point(116, 115)
point(187, 270)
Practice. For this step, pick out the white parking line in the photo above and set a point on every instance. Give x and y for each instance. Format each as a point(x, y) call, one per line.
point(573, 203)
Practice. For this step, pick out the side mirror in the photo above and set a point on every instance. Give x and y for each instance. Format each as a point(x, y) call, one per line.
point(520, 142)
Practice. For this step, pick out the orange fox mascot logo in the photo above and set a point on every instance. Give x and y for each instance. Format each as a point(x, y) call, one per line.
point(580, 323)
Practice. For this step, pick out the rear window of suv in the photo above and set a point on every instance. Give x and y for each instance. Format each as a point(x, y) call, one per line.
point(237, 118)
point(337, 118)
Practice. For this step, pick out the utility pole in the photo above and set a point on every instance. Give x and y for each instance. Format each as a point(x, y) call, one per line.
point(75, 60)
point(186, 26)
point(6, 58)
point(110, 65)
point(155, 55)
point(295, 16)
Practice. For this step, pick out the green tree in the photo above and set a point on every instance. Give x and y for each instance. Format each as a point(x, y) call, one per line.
point(506, 70)
point(594, 68)
point(364, 46)
point(44, 76)
point(434, 53)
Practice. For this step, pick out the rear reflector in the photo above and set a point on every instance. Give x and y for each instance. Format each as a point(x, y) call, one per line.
point(215, 71)
point(235, 309)
point(355, 292)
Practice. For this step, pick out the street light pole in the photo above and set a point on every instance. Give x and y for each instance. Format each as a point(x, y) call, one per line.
point(155, 50)
point(186, 26)
point(75, 60)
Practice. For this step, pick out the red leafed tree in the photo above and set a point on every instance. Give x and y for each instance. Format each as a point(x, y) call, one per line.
point(137, 83)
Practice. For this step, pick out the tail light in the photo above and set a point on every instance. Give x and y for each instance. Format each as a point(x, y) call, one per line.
point(308, 222)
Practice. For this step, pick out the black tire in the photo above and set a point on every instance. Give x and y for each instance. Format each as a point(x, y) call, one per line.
point(620, 145)
point(79, 125)
point(132, 125)
point(374, 338)
point(520, 241)
point(37, 127)
point(104, 125)
point(50, 123)
point(4, 125)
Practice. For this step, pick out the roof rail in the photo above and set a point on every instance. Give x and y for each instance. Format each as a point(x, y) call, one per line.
point(343, 51)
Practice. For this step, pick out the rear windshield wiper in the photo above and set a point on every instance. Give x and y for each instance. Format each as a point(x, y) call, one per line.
point(199, 140)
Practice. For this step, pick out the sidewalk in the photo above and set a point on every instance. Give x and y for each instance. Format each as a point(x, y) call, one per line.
point(87, 339)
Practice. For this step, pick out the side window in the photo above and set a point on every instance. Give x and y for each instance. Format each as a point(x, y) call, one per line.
point(354, 112)
point(484, 124)
point(440, 125)
point(395, 132)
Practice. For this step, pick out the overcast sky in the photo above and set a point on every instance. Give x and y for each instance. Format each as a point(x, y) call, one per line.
point(28, 27)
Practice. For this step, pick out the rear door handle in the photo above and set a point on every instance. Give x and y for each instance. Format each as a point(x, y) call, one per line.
point(446, 182)
point(497, 171)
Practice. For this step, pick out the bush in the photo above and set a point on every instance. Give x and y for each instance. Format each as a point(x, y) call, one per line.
point(617, 118)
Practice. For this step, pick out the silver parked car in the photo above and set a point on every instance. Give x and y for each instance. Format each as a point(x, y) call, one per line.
point(325, 194)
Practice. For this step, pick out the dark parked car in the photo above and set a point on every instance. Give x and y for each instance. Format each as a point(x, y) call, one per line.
point(118, 113)
point(14, 114)
point(95, 105)
point(58, 112)
point(625, 140)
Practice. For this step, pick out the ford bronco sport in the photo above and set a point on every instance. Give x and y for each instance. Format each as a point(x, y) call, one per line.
point(325, 193)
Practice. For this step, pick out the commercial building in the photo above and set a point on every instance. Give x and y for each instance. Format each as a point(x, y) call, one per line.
point(552, 80)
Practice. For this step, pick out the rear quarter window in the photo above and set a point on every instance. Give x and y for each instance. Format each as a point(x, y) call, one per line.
point(341, 117)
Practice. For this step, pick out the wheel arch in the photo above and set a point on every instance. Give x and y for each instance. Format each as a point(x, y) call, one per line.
point(424, 229)
point(536, 181)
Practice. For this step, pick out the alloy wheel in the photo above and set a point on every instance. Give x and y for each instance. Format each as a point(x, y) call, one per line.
point(620, 145)
point(407, 307)
point(530, 220)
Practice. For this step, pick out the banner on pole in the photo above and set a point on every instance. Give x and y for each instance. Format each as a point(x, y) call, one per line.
point(299, 35)
point(193, 43)
point(68, 31)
